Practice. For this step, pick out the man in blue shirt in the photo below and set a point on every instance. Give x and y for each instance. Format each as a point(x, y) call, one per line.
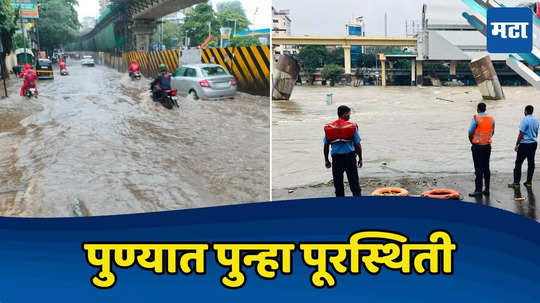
point(344, 153)
point(526, 145)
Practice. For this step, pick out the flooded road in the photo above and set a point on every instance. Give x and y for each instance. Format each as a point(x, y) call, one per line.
point(408, 133)
point(95, 144)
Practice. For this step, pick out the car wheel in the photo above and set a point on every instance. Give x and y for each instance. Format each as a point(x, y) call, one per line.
point(193, 95)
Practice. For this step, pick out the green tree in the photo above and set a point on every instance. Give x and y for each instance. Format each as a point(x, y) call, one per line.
point(332, 72)
point(196, 23)
point(235, 6)
point(336, 56)
point(312, 57)
point(19, 41)
point(367, 60)
point(8, 26)
point(227, 19)
point(244, 41)
point(172, 34)
point(58, 23)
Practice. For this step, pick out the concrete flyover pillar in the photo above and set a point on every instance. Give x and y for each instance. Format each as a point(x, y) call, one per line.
point(142, 30)
point(419, 72)
point(382, 57)
point(413, 72)
point(347, 50)
point(453, 68)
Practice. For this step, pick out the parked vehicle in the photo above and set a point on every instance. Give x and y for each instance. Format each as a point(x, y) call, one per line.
point(87, 61)
point(44, 69)
point(205, 81)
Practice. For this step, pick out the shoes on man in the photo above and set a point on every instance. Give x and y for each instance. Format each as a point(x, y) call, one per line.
point(513, 185)
point(475, 194)
point(528, 184)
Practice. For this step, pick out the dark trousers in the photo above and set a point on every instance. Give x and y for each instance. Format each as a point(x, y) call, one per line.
point(346, 163)
point(525, 151)
point(481, 155)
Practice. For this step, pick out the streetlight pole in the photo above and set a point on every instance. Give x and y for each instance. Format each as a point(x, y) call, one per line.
point(22, 32)
point(209, 29)
point(234, 28)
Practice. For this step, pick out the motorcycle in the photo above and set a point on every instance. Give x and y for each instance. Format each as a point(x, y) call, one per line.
point(135, 75)
point(64, 72)
point(30, 92)
point(168, 98)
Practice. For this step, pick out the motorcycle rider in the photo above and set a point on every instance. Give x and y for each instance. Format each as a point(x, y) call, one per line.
point(133, 68)
point(30, 77)
point(62, 65)
point(161, 83)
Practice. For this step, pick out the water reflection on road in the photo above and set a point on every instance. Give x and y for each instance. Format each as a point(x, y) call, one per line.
point(94, 144)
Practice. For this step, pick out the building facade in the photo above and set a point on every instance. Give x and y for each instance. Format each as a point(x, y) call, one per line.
point(281, 25)
point(356, 28)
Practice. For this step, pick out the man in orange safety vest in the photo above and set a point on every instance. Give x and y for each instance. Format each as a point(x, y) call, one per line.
point(481, 133)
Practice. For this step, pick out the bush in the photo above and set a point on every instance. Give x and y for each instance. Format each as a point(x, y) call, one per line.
point(244, 41)
point(332, 72)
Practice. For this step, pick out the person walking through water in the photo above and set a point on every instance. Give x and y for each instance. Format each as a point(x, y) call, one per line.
point(526, 144)
point(481, 131)
point(343, 136)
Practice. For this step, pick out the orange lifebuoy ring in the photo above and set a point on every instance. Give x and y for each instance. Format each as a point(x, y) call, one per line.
point(390, 191)
point(448, 194)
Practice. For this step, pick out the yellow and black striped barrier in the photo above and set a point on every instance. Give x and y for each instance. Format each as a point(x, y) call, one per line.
point(149, 61)
point(250, 65)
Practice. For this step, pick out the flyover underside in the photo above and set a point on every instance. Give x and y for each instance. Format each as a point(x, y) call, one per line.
point(154, 9)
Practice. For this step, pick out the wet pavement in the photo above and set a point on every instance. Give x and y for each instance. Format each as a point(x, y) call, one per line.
point(412, 137)
point(94, 143)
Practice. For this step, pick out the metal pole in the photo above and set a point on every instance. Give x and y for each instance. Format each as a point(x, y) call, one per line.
point(22, 32)
point(234, 28)
point(385, 25)
point(161, 38)
point(2, 68)
point(209, 29)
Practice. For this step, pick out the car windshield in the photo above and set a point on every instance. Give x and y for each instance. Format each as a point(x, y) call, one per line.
point(44, 62)
point(87, 57)
point(213, 71)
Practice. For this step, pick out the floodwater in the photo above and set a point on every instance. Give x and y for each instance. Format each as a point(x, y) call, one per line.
point(94, 143)
point(405, 131)
point(412, 137)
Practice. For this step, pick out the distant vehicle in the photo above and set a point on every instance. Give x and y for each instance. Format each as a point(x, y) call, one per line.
point(44, 69)
point(88, 61)
point(205, 81)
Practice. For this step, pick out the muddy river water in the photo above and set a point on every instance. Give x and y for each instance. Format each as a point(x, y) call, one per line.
point(405, 131)
point(94, 143)
point(412, 137)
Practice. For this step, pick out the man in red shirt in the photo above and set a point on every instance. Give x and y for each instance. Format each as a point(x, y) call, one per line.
point(133, 68)
point(62, 64)
point(30, 77)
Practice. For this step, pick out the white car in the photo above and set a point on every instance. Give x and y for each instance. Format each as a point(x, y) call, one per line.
point(87, 60)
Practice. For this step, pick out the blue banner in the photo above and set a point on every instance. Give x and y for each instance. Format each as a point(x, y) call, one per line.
point(495, 257)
